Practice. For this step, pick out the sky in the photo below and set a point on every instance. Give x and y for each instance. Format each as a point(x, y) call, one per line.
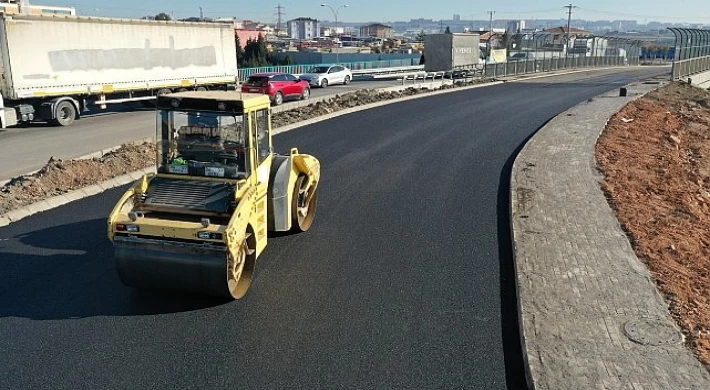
point(692, 11)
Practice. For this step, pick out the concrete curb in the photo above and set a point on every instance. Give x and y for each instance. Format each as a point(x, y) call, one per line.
point(60, 200)
point(578, 281)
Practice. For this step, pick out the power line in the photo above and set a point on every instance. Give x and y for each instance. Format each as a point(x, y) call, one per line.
point(279, 14)
point(490, 35)
point(643, 16)
point(569, 22)
point(540, 11)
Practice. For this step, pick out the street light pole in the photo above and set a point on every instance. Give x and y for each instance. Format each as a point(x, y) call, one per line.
point(490, 35)
point(335, 13)
point(569, 21)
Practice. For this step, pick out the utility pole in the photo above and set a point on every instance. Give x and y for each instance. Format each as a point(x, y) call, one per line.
point(569, 22)
point(279, 15)
point(490, 35)
point(24, 6)
point(335, 13)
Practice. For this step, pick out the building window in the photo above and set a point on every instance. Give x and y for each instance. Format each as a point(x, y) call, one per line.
point(55, 12)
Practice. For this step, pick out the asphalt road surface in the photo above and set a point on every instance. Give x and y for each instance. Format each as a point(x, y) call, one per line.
point(24, 150)
point(406, 279)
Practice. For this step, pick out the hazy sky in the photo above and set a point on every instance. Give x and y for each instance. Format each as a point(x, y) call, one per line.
point(398, 10)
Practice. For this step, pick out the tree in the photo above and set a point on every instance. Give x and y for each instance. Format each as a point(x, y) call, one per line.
point(248, 60)
point(255, 53)
point(262, 51)
point(240, 50)
point(162, 16)
point(420, 36)
point(506, 40)
point(448, 30)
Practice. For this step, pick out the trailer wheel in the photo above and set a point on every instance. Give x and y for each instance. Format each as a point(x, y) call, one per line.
point(163, 91)
point(201, 89)
point(64, 113)
point(304, 203)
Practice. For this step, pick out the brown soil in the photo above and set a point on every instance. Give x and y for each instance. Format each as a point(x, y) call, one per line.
point(655, 155)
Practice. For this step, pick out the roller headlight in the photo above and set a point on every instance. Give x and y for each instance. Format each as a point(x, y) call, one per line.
point(122, 227)
point(209, 236)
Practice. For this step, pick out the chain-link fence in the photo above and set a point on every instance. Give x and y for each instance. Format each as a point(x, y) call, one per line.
point(546, 51)
point(692, 52)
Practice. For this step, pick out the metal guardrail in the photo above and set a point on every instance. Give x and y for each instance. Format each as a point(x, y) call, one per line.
point(552, 64)
point(362, 67)
point(522, 67)
point(692, 52)
point(398, 69)
point(415, 71)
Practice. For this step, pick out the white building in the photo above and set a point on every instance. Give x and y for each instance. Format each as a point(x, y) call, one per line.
point(303, 28)
point(23, 6)
point(332, 31)
point(515, 26)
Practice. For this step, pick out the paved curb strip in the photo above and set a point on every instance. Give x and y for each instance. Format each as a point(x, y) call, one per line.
point(590, 313)
point(60, 200)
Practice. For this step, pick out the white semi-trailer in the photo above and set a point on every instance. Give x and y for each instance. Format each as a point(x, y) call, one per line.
point(53, 68)
point(444, 52)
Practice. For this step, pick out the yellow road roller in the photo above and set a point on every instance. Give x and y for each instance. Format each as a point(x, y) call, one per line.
point(200, 222)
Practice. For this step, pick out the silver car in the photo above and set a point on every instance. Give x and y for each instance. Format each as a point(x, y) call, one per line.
point(324, 75)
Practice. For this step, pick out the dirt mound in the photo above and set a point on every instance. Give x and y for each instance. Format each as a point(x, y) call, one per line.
point(655, 155)
point(59, 177)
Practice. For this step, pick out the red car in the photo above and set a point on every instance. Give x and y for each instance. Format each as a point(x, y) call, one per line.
point(279, 86)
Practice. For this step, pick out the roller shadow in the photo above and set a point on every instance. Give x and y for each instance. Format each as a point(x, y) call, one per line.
point(67, 271)
point(513, 342)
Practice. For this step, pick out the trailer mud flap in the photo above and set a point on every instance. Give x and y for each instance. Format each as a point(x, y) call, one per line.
point(167, 265)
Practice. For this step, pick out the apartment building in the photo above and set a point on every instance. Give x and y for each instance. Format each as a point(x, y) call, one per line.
point(303, 28)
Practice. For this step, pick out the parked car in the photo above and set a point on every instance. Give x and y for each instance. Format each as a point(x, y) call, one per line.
point(521, 56)
point(458, 74)
point(325, 75)
point(279, 86)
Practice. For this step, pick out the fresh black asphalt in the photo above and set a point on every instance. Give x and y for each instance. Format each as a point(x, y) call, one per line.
point(406, 279)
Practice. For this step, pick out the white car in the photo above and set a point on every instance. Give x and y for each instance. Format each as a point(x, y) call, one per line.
point(324, 75)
